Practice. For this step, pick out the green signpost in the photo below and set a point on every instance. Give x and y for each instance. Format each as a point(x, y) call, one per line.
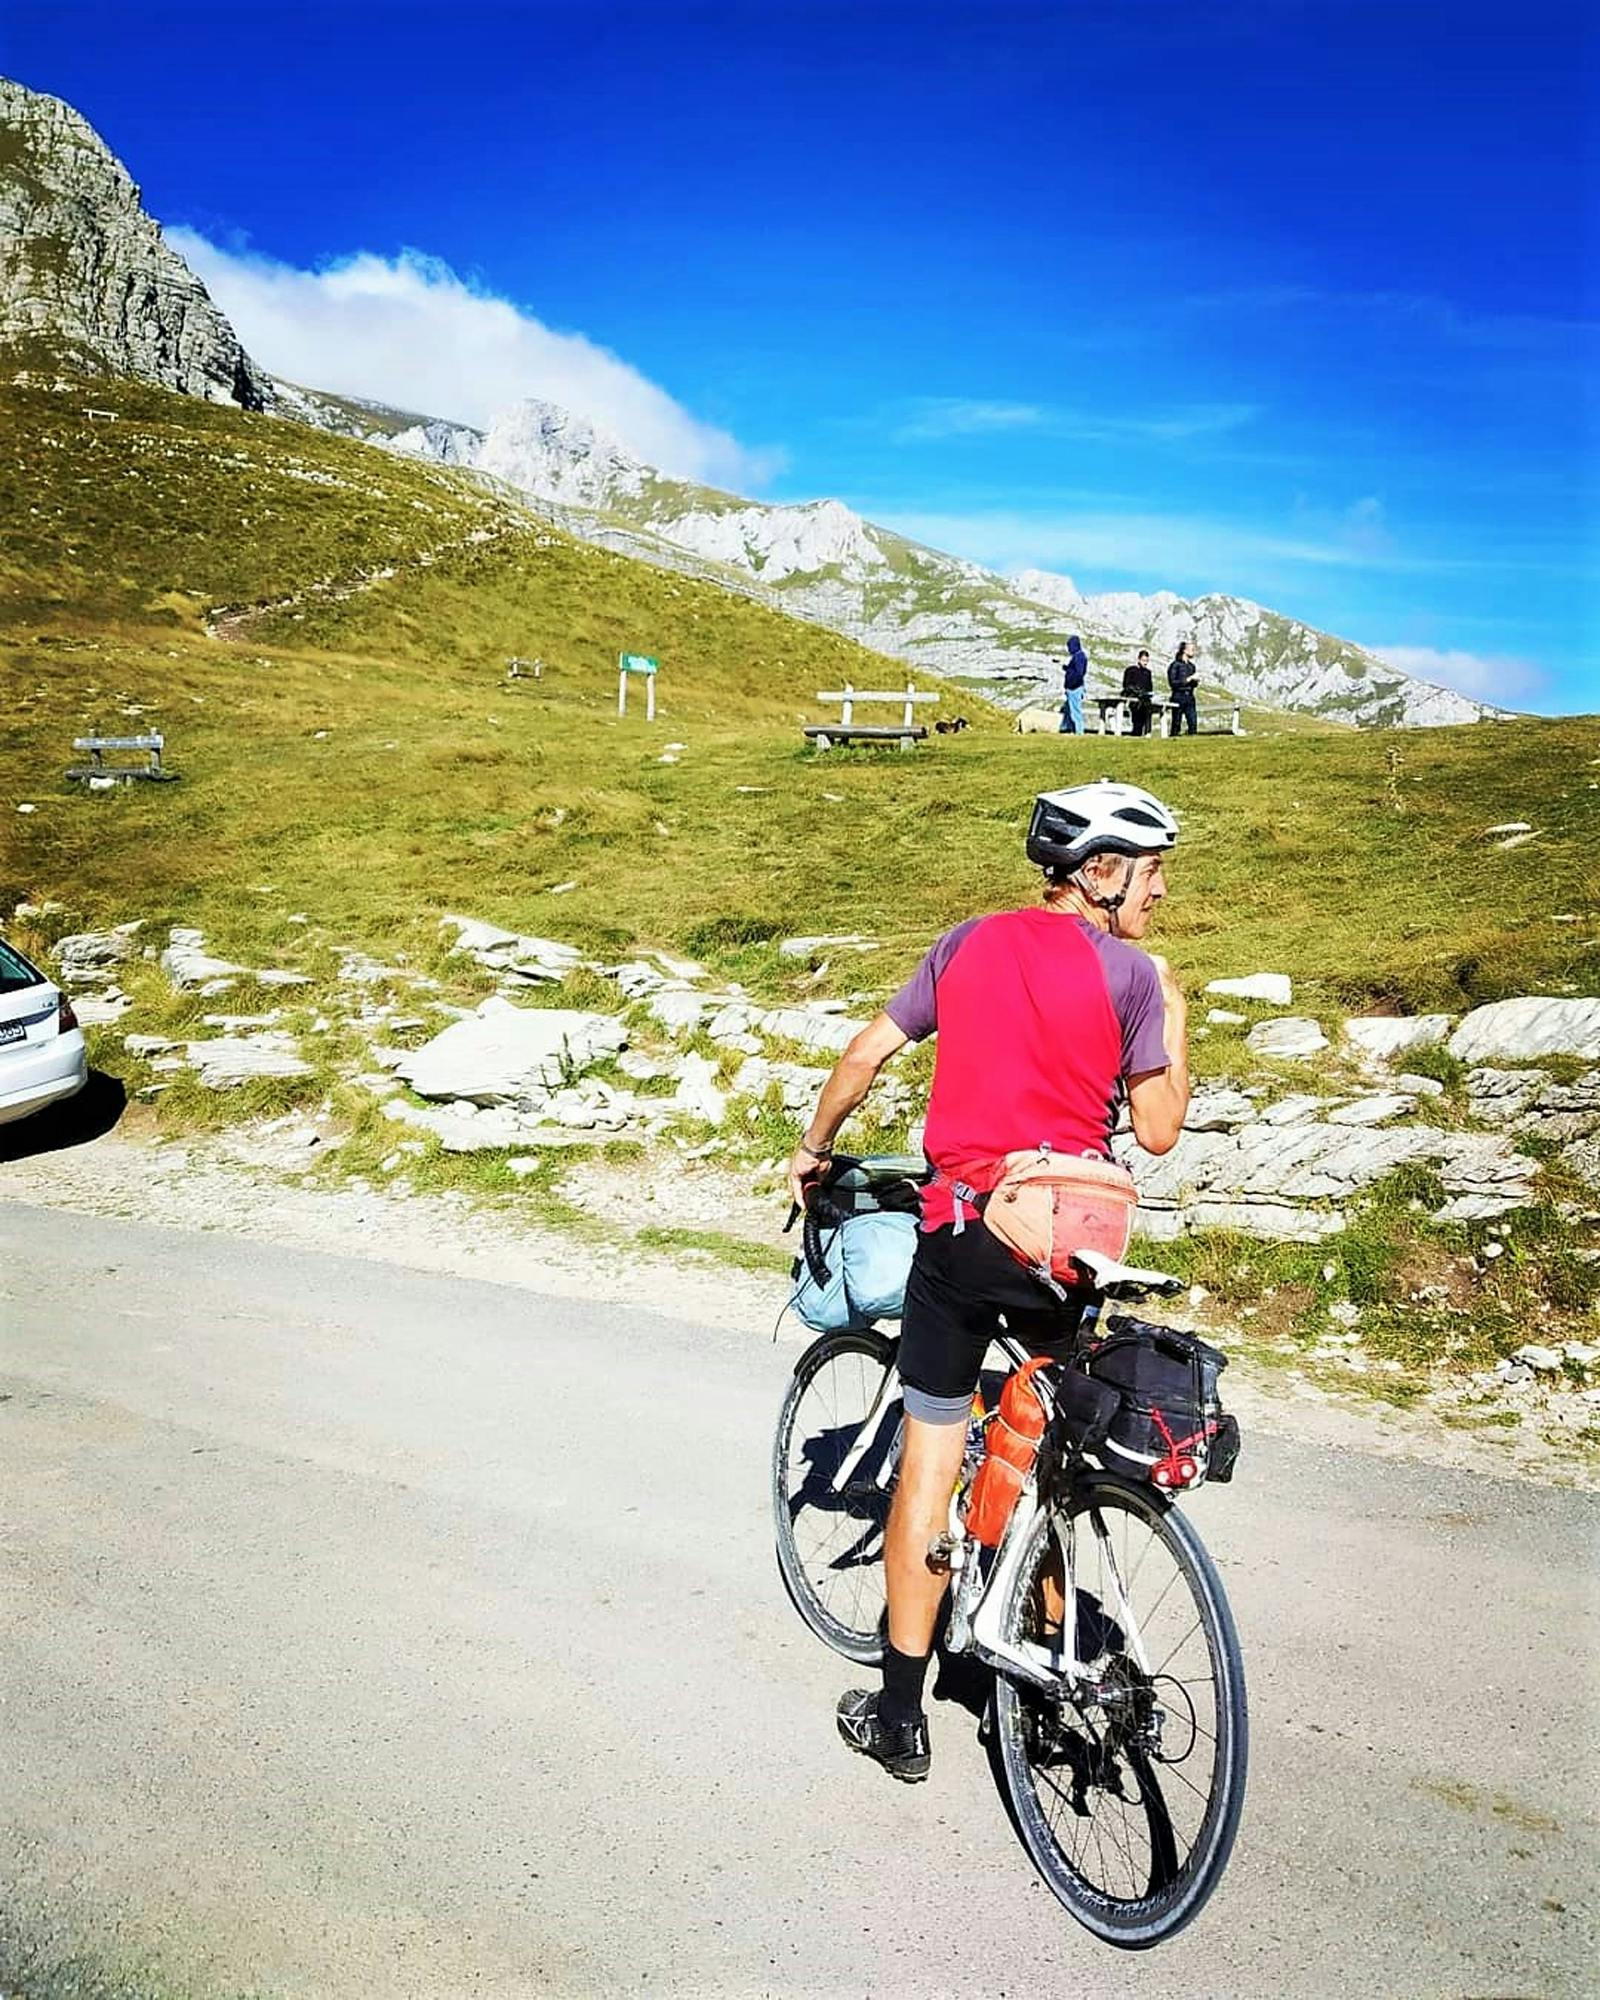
point(637, 663)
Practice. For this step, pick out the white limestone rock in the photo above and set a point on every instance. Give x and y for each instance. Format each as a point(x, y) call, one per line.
point(698, 1094)
point(811, 1027)
point(1296, 1108)
point(1288, 1038)
point(1218, 1111)
point(483, 1132)
point(188, 964)
point(101, 1010)
point(227, 1061)
point(1274, 988)
point(1271, 1221)
point(1523, 1030)
point(91, 956)
point(1375, 1110)
point(1221, 1017)
point(808, 947)
point(1383, 1037)
point(505, 1054)
point(677, 1009)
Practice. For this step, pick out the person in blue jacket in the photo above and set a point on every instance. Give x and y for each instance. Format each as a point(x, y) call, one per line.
point(1074, 672)
point(1182, 676)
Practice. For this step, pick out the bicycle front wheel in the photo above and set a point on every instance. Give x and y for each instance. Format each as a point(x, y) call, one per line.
point(1128, 1785)
point(834, 1463)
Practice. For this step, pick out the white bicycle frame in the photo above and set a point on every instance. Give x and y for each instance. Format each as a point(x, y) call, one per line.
point(977, 1627)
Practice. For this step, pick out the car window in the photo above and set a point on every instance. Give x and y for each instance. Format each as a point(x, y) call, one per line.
point(15, 971)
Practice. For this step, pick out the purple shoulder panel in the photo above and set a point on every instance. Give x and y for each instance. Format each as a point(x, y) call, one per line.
point(914, 1009)
point(1135, 988)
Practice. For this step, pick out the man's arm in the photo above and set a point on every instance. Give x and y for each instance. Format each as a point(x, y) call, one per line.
point(852, 1077)
point(1158, 1100)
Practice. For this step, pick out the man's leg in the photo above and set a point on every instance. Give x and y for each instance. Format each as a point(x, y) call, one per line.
point(930, 1459)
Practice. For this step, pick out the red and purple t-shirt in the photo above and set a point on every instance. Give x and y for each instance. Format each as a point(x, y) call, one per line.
point(1041, 1018)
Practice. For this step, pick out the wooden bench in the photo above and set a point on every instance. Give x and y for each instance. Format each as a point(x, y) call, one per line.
point(1119, 709)
point(847, 730)
point(98, 773)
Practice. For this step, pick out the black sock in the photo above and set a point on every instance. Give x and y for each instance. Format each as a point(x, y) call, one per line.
point(903, 1675)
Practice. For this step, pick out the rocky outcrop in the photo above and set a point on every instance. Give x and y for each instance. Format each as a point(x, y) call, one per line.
point(87, 282)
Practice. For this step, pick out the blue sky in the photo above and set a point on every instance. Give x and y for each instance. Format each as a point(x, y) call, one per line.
point(1292, 298)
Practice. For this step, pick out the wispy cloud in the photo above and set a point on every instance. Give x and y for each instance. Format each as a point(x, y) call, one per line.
point(934, 417)
point(1506, 681)
point(1181, 550)
point(1440, 319)
point(409, 330)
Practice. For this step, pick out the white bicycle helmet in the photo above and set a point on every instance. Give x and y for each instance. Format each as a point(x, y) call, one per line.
point(1103, 818)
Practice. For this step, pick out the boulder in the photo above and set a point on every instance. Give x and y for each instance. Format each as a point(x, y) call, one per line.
point(1498, 1095)
point(808, 947)
point(1220, 1017)
point(1375, 1110)
point(677, 1010)
point(531, 958)
point(1288, 1037)
point(481, 1132)
point(1383, 1037)
point(101, 1010)
point(227, 1061)
point(811, 1027)
point(636, 979)
point(1272, 1221)
point(187, 963)
point(697, 1093)
point(1218, 1111)
point(505, 1054)
point(1297, 1106)
point(1523, 1030)
point(1274, 988)
point(89, 956)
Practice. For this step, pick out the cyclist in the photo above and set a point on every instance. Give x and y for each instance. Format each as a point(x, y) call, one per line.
point(1048, 1018)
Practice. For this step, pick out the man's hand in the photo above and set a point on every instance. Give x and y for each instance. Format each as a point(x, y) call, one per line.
point(805, 1167)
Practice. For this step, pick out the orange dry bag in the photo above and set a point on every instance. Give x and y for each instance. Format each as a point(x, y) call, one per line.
point(1013, 1444)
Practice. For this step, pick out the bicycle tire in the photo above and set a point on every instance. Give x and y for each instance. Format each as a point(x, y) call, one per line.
point(1176, 1890)
point(836, 1579)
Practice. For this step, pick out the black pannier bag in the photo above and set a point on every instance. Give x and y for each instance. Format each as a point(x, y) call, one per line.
point(1169, 1426)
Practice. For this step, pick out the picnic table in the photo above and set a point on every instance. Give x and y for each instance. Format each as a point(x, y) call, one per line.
point(1116, 715)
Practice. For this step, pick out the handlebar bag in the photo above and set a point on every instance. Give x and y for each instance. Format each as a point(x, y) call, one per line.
point(854, 1272)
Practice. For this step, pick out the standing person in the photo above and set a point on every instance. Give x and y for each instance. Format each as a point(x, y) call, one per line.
point(1182, 677)
point(1074, 672)
point(1138, 690)
point(1047, 1019)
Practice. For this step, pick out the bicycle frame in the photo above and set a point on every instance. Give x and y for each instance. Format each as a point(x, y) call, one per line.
point(978, 1601)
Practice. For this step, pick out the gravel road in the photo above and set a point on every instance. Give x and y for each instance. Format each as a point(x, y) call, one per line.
point(374, 1631)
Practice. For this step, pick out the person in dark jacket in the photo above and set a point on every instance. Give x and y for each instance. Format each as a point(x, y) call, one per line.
point(1182, 677)
point(1074, 672)
point(1137, 690)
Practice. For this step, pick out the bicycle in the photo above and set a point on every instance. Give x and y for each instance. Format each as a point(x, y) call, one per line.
point(1121, 1732)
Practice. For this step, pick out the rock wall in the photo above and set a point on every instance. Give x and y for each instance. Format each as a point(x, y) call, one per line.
point(87, 280)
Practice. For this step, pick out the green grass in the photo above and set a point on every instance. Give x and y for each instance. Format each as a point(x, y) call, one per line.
point(357, 757)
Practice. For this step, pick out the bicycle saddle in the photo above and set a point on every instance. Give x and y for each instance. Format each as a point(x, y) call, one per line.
point(1124, 1281)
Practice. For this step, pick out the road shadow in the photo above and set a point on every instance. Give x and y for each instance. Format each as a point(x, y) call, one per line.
point(78, 1121)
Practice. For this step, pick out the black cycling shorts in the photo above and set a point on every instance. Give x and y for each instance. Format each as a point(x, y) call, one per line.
point(960, 1290)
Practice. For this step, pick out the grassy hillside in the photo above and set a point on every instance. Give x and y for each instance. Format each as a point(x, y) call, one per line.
point(365, 751)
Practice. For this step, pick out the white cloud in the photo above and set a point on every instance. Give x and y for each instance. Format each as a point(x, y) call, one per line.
point(934, 417)
point(1180, 549)
point(1484, 678)
point(407, 330)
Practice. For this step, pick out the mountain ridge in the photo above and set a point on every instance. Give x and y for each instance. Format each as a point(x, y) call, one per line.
point(87, 282)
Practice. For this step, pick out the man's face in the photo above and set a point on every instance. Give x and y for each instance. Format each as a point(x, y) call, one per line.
point(1148, 886)
point(1144, 659)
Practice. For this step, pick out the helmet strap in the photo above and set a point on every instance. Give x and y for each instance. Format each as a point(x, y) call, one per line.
point(1110, 904)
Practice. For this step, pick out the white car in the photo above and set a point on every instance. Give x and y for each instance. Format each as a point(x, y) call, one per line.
point(42, 1056)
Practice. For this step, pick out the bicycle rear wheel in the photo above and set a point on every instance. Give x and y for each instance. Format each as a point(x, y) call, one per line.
point(830, 1515)
point(1128, 1788)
